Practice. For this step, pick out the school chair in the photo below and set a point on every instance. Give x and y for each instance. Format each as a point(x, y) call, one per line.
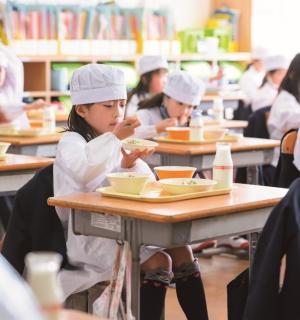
point(34, 226)
point(242, 112)
point(286, 172)
point(257, 128)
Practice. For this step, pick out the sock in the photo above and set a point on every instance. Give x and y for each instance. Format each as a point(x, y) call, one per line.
point(152, 301)
point(190, 291)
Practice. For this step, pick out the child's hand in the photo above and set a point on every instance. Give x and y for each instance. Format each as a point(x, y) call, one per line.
point(162, 125)
point(129, 159)
point(126, 128)
point(183, 120)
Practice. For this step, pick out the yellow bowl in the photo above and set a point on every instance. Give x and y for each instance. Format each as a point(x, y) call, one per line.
point(167, 172)
point(186, 185)
point(132, 144)
point(214, 133)
point(178, 133)
point(128, 182)
point(36, 123)
point(4, 147)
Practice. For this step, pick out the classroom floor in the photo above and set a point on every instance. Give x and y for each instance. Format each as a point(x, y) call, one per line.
point(216, 273)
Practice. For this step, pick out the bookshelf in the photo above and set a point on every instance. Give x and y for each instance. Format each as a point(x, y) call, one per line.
point(37, 69)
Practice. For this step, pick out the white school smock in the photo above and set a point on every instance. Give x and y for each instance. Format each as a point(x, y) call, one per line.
point(11, 93)
point(265, 96)
point(148, 118)
point(297, 152)
point(250, 82)
point(133, 105)
point(284, 115)
point(81, 166)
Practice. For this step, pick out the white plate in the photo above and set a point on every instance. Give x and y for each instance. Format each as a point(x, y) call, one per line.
point(186, 185)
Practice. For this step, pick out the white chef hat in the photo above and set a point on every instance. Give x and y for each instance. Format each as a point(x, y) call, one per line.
point(151, 63)
point(276, 62)
point(259, 53)
point(3, 59)
point(94, 83)
point(184, 87)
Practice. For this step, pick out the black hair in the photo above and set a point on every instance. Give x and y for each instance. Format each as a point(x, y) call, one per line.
point(143, 85)
point(291, 81)
point(153, 102)
point(78, 124)
point(265, 79)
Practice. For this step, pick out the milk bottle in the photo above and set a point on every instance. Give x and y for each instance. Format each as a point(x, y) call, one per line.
point(196, 125)
point(49, 119)
point(218, 109)
point(223, 166)
point(42, 269)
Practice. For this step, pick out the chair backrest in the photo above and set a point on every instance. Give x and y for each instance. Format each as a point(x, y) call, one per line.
point(34, 226)
point(257, 124)
point(242, 112)
point(286, 172)
point(288, 142)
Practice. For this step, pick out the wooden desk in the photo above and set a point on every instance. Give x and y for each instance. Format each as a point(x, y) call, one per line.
point(245, 210)
point(44, 145)
point(248, 152)
point(231, 124)
point(226, 96)
point(16, 170)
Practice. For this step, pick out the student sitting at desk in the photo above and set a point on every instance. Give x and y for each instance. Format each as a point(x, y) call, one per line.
point(276, 68)
point(12, 86)
point(252, 78)
point(182, 93)
point(152, 71)
point(90, 149)
point(285, 111)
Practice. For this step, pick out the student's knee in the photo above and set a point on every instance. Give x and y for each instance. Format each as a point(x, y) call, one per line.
point(157, 270)
point(158, 260)
point(180, 255)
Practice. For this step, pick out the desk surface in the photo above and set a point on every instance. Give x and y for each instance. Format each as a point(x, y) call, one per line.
point(15, 162)
point(245, 144)
point(230, 124)
point(242, 198)
point(25, 141)
point(227, 95)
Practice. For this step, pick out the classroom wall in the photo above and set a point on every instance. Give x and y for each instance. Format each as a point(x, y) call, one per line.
point(187, 13)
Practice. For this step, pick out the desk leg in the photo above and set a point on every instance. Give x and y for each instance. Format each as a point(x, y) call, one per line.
point(252, 175)
point(132, 235)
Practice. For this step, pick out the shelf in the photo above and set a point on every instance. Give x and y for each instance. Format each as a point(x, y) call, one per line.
point(59, 93)
point(234, 56)
point(35, 94)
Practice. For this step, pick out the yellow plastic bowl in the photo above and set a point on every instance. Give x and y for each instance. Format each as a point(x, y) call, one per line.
point(185, 185)
point(132, 144)
point(214, 133)
point(128, 182)
point(178, 133)
point(167, 172)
